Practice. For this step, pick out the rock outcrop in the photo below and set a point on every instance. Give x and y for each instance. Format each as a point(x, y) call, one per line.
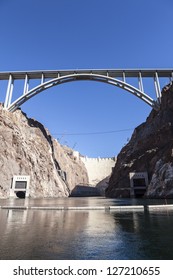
point(102, 185)
point(27, 148)
point(150, 149)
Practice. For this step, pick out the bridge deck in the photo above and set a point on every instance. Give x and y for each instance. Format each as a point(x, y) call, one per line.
point(133, 73)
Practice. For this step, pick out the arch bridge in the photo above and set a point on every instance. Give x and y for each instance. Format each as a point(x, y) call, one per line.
point(116, 77)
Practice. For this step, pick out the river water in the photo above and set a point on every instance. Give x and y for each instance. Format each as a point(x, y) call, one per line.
point(85, 234)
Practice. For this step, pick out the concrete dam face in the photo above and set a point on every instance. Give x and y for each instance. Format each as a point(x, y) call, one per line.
point(97, 170)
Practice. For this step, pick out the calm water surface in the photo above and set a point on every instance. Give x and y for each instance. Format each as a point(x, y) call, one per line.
point(82, 234)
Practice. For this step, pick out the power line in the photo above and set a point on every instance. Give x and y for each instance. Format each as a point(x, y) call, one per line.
point(93, 133)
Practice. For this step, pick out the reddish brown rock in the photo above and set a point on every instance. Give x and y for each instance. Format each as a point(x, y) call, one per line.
point(150, 149)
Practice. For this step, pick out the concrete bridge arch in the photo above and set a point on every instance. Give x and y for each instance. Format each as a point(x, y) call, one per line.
point(50, 79)
point(85, 77)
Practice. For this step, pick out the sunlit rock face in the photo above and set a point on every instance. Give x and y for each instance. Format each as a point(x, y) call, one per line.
point(161, 184)
point(27, 148)
point(150, 149)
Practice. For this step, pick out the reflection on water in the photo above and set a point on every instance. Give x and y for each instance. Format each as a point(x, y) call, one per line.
point(50, 234)
point(81, 201)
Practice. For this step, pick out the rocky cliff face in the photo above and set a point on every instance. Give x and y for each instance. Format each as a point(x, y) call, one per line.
point(150, 149)
point(27, 148)
point(102, 185)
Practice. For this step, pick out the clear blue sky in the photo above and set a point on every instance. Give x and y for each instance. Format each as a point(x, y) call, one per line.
point(78, 34)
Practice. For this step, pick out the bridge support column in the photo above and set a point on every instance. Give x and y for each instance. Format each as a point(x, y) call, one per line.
point(157, 88)
point(26, 85)
point(42, 78)
point(124, 77)
point(141, 87)
point(171, 78)
point(9, 92)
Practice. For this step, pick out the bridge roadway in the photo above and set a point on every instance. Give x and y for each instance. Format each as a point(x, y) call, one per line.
point(116, 77)
point(37, 74)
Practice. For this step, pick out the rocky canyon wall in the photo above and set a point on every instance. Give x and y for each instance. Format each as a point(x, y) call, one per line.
point(27, 148)
point(150, 150)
